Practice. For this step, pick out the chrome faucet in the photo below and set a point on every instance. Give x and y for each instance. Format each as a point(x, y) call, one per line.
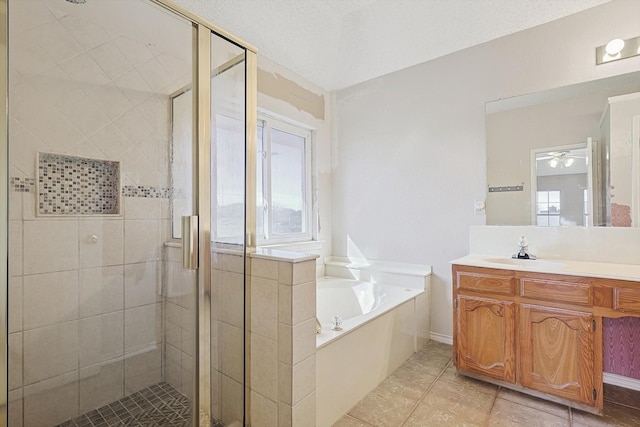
point(523, 250)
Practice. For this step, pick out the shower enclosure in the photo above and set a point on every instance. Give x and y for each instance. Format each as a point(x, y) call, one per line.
point(124, 117)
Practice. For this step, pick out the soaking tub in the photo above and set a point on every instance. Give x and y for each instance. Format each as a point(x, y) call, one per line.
point(378, 334)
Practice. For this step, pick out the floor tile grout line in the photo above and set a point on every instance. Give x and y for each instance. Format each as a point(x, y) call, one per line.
point(424, 393)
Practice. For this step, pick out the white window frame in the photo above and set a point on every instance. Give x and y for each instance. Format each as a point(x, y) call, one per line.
point(268, 237)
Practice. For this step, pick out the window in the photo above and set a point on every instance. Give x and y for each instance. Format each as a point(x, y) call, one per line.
point(548, 208)
point(283, 195)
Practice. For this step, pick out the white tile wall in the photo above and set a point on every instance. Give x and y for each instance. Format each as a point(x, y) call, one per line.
point(50, 298)
point(142, 284)
point(142, 370)
point(101, 339)
point(15, 360)
point(142, 327)
point(50, 246)
point(50, 351)
point(108, 249)
point(51, 402)
point(100, 384)
point(101, 290)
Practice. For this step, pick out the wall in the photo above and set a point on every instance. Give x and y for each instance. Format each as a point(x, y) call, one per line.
point(622, 109)
point(409, 157)
point(289, 97)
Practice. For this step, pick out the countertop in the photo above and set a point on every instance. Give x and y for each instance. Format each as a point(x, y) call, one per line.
point(603, 270)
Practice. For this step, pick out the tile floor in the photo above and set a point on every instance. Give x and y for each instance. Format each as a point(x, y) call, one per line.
point(159, 405)
point(426, 391)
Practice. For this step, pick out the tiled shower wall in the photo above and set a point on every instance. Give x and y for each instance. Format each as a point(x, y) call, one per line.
point(85, 304)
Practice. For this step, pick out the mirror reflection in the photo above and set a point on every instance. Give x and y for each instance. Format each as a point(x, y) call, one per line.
point(565, 157)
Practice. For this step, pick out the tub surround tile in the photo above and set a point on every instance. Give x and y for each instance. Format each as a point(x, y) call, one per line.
point(285, 272)
point(266, 269)
point(304, 340)
point(231, 287)
point(304, 379)
point(303, 304)
point(264, 412)
point(284, 304)
point(231, 403)
point(231, 345)
point(15, 408)
point(304, 272)
point(264, 307)
point(264, 368)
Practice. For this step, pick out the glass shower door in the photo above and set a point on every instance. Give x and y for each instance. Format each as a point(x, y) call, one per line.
point(101, 313)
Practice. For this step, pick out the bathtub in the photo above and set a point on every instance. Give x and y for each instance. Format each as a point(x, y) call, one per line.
point(378, 334)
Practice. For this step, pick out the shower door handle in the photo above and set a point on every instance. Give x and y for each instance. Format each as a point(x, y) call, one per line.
point(190, 242)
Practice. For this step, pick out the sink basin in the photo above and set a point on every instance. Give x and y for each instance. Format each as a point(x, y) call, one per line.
point(532, 263)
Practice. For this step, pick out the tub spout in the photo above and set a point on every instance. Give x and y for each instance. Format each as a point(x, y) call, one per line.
point(318, 327)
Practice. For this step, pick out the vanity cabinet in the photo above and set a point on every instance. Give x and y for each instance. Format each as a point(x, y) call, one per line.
point(556, 352)
point(486, 343)
point(531, 332)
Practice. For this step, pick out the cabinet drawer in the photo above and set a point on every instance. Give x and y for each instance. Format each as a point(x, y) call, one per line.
point(502, 285)
point(556, 291)
point(626, 299)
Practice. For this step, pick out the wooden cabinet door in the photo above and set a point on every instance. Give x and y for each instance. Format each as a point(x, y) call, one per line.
point(556, 352)
point(486, 337)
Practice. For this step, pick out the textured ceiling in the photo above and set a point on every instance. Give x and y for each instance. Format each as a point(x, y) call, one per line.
point(339, 43)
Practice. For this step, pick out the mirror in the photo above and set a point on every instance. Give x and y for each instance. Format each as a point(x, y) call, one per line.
point(585, 130)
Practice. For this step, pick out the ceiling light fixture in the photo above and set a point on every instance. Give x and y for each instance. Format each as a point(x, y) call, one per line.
point(617, 49)
point(614, 46)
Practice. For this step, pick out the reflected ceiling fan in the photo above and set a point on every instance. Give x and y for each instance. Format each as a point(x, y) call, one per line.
point(561, 159)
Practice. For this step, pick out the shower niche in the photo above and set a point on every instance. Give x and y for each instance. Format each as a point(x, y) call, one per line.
point(70, 185)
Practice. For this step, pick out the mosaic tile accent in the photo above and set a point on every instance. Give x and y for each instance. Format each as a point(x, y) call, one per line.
point(77, 186)
point(145, 191)
point(158, 405)
point(22, 185)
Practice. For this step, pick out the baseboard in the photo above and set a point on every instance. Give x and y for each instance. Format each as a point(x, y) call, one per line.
point(621, 381)
point(445, 339)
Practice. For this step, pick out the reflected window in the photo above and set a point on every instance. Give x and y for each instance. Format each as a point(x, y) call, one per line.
point(548, 208)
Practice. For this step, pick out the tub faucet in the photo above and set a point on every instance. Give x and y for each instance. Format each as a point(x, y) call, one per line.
point(523, 250)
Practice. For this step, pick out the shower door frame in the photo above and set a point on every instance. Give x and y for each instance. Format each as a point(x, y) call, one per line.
point(202, 32)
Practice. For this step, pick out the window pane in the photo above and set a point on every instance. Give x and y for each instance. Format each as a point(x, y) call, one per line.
point(287, 182)
point(554, 197)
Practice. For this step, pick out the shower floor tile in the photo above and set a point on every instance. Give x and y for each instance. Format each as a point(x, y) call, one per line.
point(159, 405)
